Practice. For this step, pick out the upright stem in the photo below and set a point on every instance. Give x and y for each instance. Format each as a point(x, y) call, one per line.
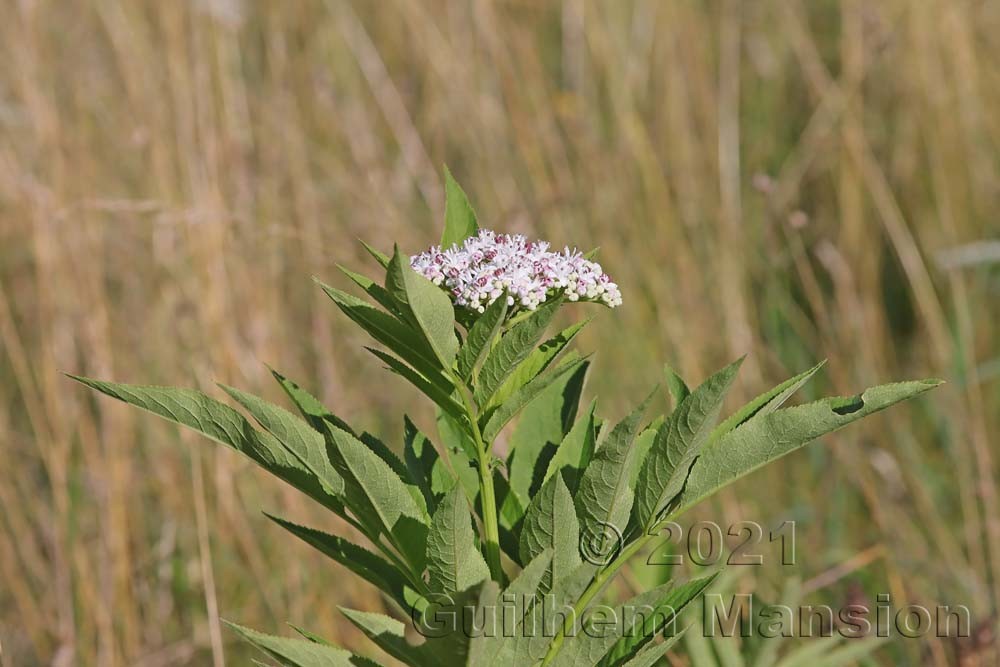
point(486, 492)
point(490, 524)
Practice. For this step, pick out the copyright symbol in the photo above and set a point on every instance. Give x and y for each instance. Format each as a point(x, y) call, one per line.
point(601, 543)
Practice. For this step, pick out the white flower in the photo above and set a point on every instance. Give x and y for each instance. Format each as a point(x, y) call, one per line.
point(488, 265)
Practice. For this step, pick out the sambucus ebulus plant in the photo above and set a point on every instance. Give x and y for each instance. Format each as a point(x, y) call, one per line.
point(454, 529)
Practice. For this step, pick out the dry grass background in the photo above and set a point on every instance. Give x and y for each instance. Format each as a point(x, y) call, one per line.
point(785, 177)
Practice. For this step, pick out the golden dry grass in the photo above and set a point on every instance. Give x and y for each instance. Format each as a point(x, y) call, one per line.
point(776, 177)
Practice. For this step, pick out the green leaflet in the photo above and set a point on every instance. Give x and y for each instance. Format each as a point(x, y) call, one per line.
point(656, 614)
point(767, 402)
point(409, 344)
point(429, 306)
point(514, 346)
point(643, 443)
point(523, 396)
point(443, 398)
point(454, 563)
point(591, 641)
point(550, 523)
point(379, 256)
point(300, 652)
point(765, 438)
point(312, 410)
point(605, 495)
point(675, 384)
point(480, 336)
point(537, 361)
point(459, 218)
point(311, 636)
point(296, 435)
point(370, 567)
point(380, 498)
point(309, 445)
point(543, 617)
point(387, 633)
point(651, 655)
point(576, 449)
point(224, 425)
point(543, 424)
point(636, 621)
point(374, 290)
point(678, 443)
point(322, 420)
point(511, 607)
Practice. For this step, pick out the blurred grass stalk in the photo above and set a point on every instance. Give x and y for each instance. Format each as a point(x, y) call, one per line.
point(768, 177)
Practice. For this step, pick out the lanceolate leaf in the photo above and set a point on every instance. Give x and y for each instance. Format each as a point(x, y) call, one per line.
point(387, 633)
point(765, 438)
point(643, 443)
point(311, 636)
point(511, 607)
point(540, 358)
point(429, 306)
point(767, 402)
point(678, 443)
point(304, 442)
point(504, 413)
point(399, 337)
point(309, 445)
point(551, 524)
point(300, 652)
point(443, 398)
point(546, 616)
point(480, 336)
point(379, 256)
point(459, 218)
point(675, 384)
point(651, 655)
point(512, 349)
point(655, 614)
point(380, 498)
point(322, 420)
point(374, 290)
point(370, 567)
point(454, 563)
point(312, 410)
point(587, 645)
point(223, 424)
point(605, 496)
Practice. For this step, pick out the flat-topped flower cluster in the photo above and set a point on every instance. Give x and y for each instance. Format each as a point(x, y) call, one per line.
point(489, 265)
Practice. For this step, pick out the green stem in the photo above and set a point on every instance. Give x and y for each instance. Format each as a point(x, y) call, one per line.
point(592, 590)
point(487, 494)
point(490, 524)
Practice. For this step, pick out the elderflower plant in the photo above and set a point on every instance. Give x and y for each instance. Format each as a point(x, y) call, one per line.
point(452, 528)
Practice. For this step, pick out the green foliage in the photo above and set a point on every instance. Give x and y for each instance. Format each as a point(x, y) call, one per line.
point(454, 563)
point(678, 443)
point(605, 497)
point(550, 524)
point(435, 522)
point(459, 218)
point(510, 351)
